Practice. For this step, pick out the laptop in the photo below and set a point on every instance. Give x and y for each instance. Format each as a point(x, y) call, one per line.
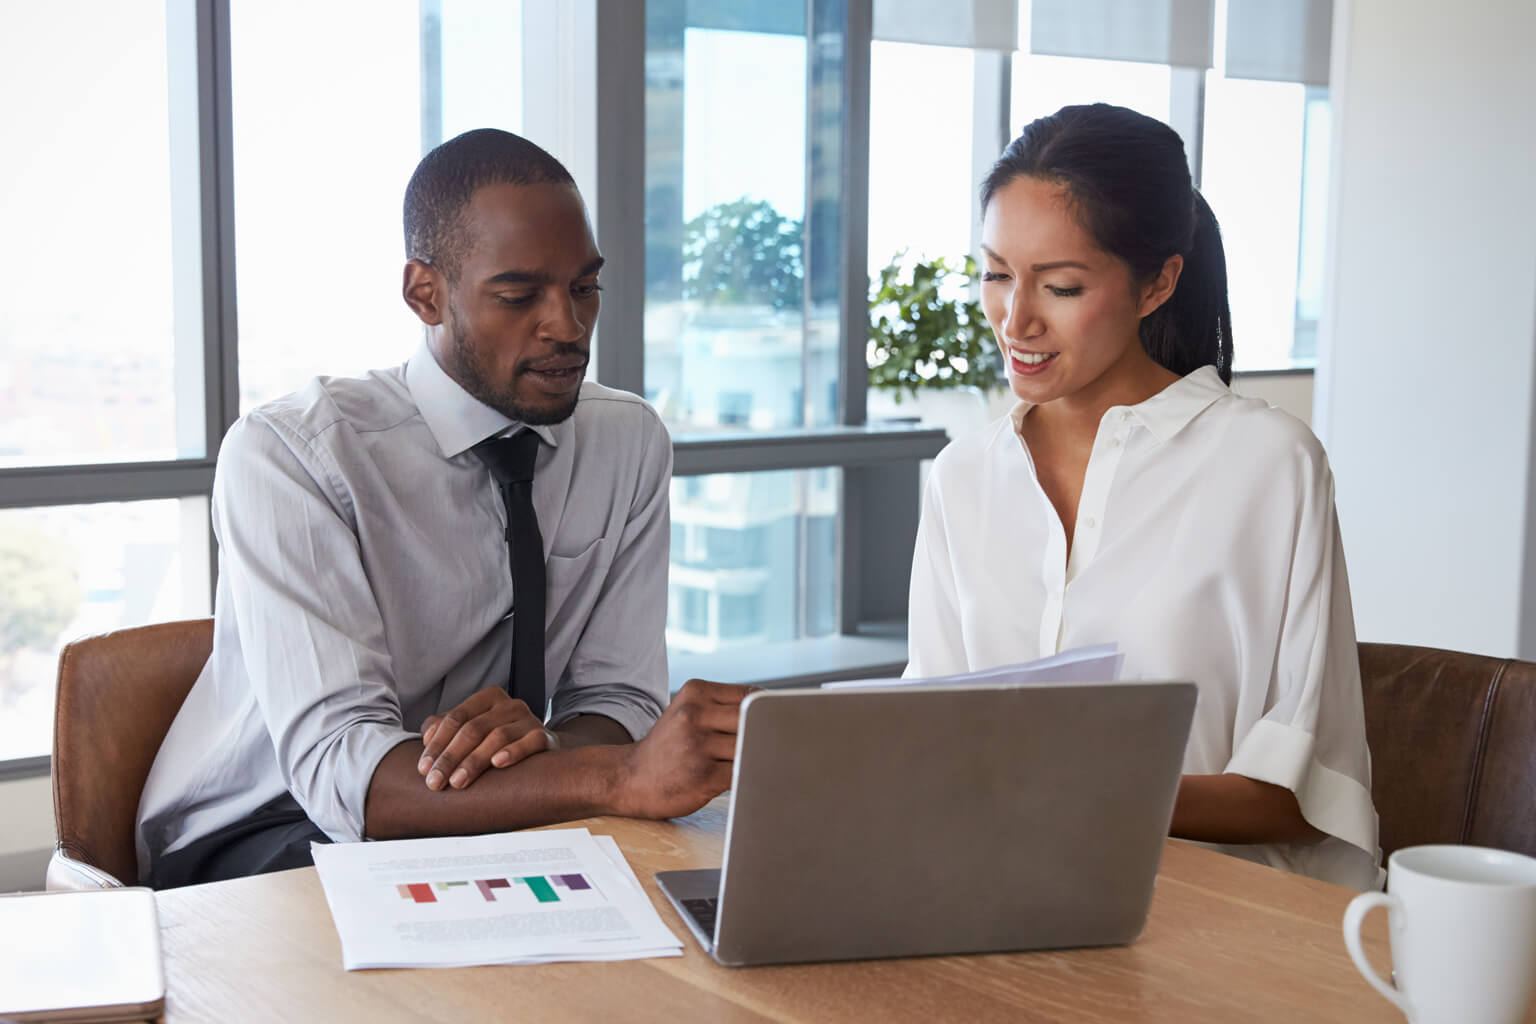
point(925, 819)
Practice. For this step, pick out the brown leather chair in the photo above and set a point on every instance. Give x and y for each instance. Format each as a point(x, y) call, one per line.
point(117, 695)
point(1453, 747)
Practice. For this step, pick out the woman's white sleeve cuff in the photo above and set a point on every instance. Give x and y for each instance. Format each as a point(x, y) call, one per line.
point(1331, 801)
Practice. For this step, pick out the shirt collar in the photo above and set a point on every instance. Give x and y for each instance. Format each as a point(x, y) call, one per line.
point(457, 419)
point(1170, 410)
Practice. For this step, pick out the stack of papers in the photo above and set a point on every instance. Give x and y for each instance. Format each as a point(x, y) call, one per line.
point(1099, 663)
point(510, 898)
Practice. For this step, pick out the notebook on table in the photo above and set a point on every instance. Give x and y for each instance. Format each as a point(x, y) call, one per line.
point(92, 955)
point(940, 818)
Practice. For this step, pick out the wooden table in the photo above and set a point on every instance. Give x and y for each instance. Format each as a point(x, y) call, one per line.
point(1227, 940)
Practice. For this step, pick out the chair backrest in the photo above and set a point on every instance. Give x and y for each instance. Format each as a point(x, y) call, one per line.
point(1453, 747)
point(118, 694)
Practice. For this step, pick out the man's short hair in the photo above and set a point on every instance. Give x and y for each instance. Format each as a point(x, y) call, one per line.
point(446, 178)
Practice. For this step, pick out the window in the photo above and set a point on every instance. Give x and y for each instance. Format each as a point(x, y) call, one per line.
point(760, 551)
point(749, 312)
point(1255, 126)
point(741, 616)
point(261, 149)
point(919, 200)
point(687, 611)
point(1265, 172)
point(736, 408)
point(1252, 177)
point(102, 346)
point(323, 160)
point(1314, 220)
point(735, 314)
point(117, 374)
point(100, 331)
point(72, 570)
point(1044, 84)
point(1242, 81)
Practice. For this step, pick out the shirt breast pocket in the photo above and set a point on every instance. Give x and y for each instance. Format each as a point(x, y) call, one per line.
point(572, 586)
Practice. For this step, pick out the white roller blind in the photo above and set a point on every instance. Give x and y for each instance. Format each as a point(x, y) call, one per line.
point(1279, 40)
point(1176, 32)
point(977, 24)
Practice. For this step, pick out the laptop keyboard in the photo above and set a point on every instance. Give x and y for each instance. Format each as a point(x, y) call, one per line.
point(703, 911)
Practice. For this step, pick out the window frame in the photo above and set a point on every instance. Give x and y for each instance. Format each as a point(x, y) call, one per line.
point(207, 21)
point(598, 116)
point(594, 52)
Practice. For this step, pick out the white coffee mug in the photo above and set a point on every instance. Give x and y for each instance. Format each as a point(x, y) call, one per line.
point(1463, 928)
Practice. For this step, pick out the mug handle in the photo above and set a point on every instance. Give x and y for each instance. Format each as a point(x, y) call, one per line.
point(1353, 917)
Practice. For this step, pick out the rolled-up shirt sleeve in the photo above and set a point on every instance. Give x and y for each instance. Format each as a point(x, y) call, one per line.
point(619, 665)
point(311, 633)
point(1311, 738)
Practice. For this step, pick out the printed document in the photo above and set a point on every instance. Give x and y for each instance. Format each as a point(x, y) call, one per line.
point(1098, 663)
point(510, 898)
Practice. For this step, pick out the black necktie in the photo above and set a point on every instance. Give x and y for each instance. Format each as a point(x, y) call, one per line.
point(511, 462)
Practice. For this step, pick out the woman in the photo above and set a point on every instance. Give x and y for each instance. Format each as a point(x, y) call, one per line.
point(1131, 497)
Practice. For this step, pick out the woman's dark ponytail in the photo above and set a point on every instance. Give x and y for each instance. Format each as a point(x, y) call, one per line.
point(1129, 185)
point(1194, 327)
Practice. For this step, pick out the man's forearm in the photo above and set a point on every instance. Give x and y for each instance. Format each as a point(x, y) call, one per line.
point(586, 730)
point(559, 785)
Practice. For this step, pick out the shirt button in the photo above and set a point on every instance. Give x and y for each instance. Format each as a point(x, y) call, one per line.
point(1114, 442)
point(1125, 414)
point(1091, 523)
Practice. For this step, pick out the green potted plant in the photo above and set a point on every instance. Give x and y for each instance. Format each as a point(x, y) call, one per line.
point(929, 342)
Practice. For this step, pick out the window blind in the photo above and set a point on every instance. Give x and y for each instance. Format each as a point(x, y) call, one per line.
point(1175, 32)
point(1279, 40)
point(975, 24)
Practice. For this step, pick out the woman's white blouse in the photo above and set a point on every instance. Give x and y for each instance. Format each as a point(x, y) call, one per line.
point(1207, 547)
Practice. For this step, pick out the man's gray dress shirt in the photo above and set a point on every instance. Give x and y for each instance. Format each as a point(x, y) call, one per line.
point(364, 585)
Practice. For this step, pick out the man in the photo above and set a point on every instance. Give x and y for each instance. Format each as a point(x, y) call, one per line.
point(386, 570)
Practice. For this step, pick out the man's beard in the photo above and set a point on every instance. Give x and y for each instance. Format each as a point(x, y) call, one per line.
point(474, 376)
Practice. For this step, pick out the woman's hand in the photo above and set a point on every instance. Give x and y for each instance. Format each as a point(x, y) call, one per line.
point(490, 729)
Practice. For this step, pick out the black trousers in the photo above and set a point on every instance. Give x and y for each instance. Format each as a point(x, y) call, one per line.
point(276, 837)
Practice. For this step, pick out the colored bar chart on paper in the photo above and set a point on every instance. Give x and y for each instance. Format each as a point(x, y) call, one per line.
point(544, 888)
point(421, 893)
point(502, 898)
point(488, 887)
point(541, 889)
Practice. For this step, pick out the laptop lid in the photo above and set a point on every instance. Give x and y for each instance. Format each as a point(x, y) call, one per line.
point(917, 820)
